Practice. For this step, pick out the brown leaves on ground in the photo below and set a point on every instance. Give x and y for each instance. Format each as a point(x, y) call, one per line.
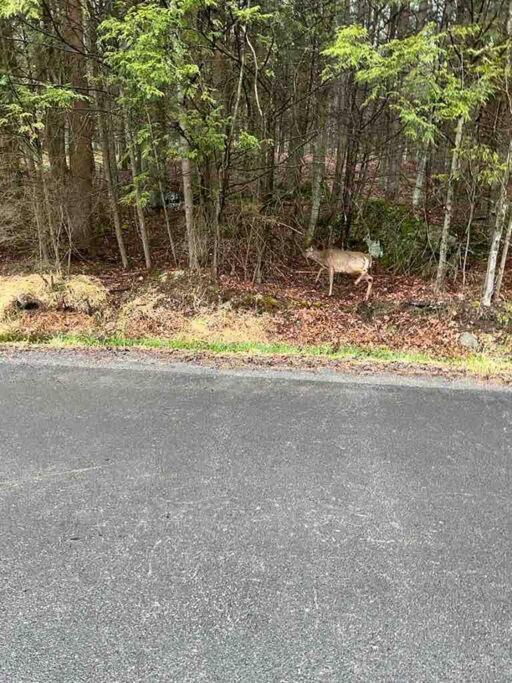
point(403, 313)
point(49, 323)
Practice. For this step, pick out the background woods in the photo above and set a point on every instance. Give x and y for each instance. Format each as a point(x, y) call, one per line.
point(227, 134)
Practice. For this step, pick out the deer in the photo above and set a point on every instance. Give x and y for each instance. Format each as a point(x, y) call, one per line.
point(340, 261)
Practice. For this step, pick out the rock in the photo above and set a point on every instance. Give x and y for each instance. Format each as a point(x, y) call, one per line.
point(469, 341)
point(261, 303)
point(424, 305)
point(172, 200)
point(265, 303)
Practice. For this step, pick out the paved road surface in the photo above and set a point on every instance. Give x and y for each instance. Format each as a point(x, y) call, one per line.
point(175, 526)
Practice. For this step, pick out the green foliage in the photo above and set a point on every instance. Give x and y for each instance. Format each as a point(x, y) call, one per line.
point(26, 8)
point(428, 78)
point(205, 130)
point(145, 50)
point(131, 196)
point(22, 108)
point(247, 142)
point(486, 164)
point(251, 15)
point(403, 236)
point(149, 50)
point(351, 50)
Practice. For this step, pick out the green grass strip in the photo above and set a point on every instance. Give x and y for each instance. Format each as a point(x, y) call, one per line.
point(478, 364)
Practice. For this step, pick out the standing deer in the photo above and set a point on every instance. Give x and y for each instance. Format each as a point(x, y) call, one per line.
point(339, 261)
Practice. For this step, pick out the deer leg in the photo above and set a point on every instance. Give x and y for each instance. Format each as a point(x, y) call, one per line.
point(360, 278)
point(331, 279)
point(319, 273)
point(369, 280)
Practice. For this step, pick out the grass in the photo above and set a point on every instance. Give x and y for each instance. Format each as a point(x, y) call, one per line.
point(475, 364)
point(77, 292)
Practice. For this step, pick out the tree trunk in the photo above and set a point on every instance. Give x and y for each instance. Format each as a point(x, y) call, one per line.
point(347, 199)
point(393, 172)
point(36, 168)
point(423, 14)
point(501, 213)
point(106, 142)
point(340, 144)
point(215, 213)
point(81, 159)
point(353, 118)
point(318, 174)
point(448, 210)
point(161, 189)
point(420, 179)
point(502, 204)
point(138, 201)
point(56, 145)
point(503, 262)
point(188, 195)
point(393, 164)
point(468, 230)
point(123, 161)
point(37, 207)
point(112, 187)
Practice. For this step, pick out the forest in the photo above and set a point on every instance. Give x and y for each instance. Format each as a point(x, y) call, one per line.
point(189, 151)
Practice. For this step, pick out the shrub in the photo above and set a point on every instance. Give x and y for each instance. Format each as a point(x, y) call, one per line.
point(404, 237)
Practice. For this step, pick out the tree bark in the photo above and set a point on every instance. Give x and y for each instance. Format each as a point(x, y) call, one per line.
point(318, 173)
point(112, 188)
point(501, 213)
point(448, 211)
point(503, 262)
point(421, 173)
point(81, 159)
point(138, 200)
point(489, 283)
point(37, 208)
point(55, 143)
point(347, 199)
point(188, 196)
point(340, 141)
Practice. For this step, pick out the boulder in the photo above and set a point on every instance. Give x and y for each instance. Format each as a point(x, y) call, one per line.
point(469, 341)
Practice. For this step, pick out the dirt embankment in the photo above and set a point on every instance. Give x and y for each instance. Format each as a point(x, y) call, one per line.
point(173, 304)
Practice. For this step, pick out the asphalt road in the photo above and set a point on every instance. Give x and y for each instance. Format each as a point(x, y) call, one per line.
point(159, 525)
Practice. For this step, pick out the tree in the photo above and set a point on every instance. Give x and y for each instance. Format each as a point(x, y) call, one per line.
point(490, 286)
point(265, 106)
point(430, 79)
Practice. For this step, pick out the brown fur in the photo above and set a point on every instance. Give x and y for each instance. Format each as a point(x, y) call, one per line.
point(340, 261)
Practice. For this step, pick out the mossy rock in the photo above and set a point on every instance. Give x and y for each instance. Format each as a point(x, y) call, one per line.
point(266, 303)
point(424, 308)
point(250, 301)
point(185, 289)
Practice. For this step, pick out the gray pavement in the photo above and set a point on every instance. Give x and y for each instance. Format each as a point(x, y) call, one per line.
point(167, 525)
